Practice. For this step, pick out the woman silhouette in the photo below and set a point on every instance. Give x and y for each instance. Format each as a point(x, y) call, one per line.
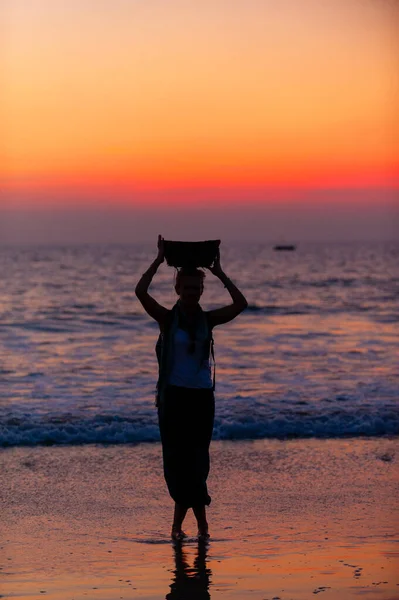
point(185, 390)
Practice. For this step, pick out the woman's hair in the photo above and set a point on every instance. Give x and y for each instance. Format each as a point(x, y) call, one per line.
point(189, 272)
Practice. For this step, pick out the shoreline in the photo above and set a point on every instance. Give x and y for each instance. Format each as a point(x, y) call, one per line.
point(288, 519)
point(389, 436)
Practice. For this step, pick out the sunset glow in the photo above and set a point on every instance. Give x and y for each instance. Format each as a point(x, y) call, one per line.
point(153, 96)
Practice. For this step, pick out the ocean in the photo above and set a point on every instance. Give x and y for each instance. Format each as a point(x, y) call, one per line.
point(315, 354)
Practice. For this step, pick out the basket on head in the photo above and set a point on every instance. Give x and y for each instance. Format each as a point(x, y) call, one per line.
point(191, 254)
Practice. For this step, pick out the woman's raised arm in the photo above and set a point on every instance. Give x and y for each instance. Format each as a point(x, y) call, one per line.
point(226, 313)
point(150, 305)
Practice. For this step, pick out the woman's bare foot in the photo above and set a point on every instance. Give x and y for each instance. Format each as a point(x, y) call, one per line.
point(203, 532)
point(177, 534)
point(203, 535)
point(200, 514)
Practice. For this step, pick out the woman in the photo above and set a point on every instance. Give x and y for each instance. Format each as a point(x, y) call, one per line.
point(185, 390)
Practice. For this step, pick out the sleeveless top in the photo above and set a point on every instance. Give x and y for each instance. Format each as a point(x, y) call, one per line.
point(166, 347)
point(190, 370)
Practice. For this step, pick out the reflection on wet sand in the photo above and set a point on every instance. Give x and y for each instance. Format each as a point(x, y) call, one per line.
point(190, 582)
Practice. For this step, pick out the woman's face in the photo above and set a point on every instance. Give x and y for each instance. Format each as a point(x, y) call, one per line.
point(190, 290)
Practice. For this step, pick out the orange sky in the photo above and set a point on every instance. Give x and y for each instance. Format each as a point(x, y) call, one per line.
point(154, 96)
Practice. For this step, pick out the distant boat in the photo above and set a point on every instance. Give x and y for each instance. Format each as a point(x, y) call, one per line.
point(284, 247)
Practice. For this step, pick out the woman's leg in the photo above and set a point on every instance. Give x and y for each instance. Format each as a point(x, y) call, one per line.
point(200, 515)
point(178, 518)
point(186, 425)
point(173, 429)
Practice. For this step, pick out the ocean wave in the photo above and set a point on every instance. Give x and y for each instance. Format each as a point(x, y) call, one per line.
point(117, 429)
point(274, 309)
point(376, 311)
point(66, 322)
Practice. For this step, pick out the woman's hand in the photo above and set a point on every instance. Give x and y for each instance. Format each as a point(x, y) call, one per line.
point(216, 268)
point(161, 249)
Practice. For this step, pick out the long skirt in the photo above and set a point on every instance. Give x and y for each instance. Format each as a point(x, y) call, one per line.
point(186, 423)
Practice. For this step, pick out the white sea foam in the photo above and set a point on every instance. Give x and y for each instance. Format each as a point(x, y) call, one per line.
point(29, 431)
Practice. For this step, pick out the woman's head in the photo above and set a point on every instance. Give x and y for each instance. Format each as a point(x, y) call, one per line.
point(189, 285)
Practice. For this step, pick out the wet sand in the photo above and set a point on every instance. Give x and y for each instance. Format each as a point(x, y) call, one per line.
point(288, 520)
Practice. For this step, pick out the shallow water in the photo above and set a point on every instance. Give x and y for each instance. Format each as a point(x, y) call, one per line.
point(315, 353)
point(288, 519)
